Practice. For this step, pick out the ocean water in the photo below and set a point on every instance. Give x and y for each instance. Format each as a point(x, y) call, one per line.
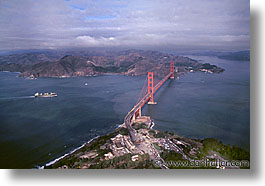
point(35, 131)
point(202, 105)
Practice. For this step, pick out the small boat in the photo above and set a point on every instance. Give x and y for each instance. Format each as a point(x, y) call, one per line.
point(86, 84)
point(45, 95)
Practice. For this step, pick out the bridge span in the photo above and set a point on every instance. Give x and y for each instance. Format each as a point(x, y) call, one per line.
point(149, 96)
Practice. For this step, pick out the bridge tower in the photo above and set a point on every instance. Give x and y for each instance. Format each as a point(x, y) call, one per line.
point(172, 70)
point(151, 88)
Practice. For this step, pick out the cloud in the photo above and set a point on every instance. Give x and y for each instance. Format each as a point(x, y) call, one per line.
point(96, 42)
point(222, 25)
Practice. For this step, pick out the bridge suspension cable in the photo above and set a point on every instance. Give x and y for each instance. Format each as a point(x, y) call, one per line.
point(156, 84)
point(136, 110)
point(141, 95)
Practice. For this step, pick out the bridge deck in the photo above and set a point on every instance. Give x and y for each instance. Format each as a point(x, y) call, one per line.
point(139, 105)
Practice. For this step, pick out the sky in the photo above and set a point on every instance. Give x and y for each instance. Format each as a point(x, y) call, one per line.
point(196, 25)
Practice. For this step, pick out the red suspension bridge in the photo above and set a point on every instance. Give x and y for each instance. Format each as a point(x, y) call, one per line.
point(148, 96)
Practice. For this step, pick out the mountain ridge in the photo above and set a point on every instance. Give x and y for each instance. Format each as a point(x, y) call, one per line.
point(88, 63)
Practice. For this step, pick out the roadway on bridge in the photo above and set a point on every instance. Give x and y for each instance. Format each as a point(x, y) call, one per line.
point(139, 105)
point(137, 138)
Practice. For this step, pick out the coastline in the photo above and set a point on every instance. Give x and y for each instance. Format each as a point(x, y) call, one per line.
point(67, 154)
point(74, 150)
point(102, 152)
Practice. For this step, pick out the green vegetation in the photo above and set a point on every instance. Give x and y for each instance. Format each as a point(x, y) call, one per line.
point(68, 161)
point(100, 146)
point(139, 125)
point(160, 135)
point(151, 132)
point(186, 149)
point(171, 156)
point(171, 133)
point(233, 153)
point(124, 162)
point(101, 152)
point(71, 160)
point(213, 68)
point(208, 66)
point(156, 146)
point(95, 144)
point(123, 131)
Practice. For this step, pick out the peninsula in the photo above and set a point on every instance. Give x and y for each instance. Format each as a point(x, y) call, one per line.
point(159, 149)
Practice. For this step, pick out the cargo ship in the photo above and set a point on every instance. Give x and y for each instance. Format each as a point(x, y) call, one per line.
point(45, 95)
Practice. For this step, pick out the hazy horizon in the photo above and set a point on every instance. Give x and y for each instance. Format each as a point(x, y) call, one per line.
point(185, 26)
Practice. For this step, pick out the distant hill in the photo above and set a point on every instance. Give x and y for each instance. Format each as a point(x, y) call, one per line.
point(87, 63)
point(237, 56)
point(29, 58)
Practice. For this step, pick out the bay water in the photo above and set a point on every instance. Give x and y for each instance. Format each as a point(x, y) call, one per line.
point(35, 131)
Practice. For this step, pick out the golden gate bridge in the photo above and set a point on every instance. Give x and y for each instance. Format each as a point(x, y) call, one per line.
point(148, 97)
